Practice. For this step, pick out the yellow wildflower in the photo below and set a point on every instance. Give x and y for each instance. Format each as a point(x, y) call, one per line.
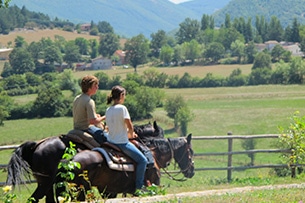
point(7, 188)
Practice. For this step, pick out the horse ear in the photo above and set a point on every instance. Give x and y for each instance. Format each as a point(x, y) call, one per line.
point(189, 138)
point(156, 126)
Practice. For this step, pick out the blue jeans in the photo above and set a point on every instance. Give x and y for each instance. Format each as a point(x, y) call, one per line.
point(133, 152)
point(98, 134)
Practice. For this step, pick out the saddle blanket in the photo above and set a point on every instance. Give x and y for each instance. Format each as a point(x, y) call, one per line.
point(112, 165)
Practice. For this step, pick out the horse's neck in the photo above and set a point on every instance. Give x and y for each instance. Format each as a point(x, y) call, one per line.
point(162, 151)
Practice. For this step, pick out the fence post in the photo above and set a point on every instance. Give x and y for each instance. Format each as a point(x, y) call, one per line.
point(230, 147)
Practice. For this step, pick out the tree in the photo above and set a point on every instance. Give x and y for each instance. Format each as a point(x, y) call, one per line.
point(262, 60)
point(295, 35)
point(214, 51)
point(296, 71)
point(166, 54)
point(188, 30)
point(37, 51)
point(49, 103)
point(229, 35)
point(292, 137)
point(6, 104)
point(4, 3)
point(153, 78)
point(261, 26)
point(207, 22)
point(178, 54)
point(227, 21)
point(7, 70)
point(109, 43)
point(83, 45)
point(67, 82)
point(52, 55)
point(104, 27)
point(192, 50)
point(275, 31)
point(183, 117)
point(72, 54)
point(137, 49)
point(143, 103)
point(277, 52)
point(21, 61)
point(250, 52)
point(20, 42)
point(94, 48)
point(158, 40)
point(172, 107)
point(260, 76)
point(238, 50)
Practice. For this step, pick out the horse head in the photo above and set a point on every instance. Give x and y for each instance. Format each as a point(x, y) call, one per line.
point(149, 130)
point(183, 154)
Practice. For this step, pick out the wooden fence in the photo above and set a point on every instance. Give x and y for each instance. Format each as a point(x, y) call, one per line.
point(230, 168)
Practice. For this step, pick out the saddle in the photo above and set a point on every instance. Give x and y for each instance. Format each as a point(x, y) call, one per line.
point(117, 160)
point(82, 137)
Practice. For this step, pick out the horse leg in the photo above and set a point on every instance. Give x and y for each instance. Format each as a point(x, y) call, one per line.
point(50, 196)
point(106, 195)
point(44, 187)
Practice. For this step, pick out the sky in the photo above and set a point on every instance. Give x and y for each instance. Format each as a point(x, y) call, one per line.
point(178, 1)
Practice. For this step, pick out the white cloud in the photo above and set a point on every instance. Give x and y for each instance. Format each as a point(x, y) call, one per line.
point(178, 1)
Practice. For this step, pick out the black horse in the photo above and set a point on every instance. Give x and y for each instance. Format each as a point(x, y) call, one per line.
point(149, 131)
point(111, 182)
point(42, 158)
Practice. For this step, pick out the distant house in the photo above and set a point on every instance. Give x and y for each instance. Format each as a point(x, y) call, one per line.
point(85, 27)
point(101, 63)
point(294, 48)
point(271, 44)
point(61, 67)
point(4, 53)
point(82, 66)
point(121, 54)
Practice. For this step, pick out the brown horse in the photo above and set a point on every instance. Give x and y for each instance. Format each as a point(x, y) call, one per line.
point(41, 160)
point(111, 182)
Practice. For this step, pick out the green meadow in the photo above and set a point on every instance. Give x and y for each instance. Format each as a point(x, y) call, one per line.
point(247, 110)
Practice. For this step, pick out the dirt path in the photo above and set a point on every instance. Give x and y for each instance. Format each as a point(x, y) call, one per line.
point(202, 193)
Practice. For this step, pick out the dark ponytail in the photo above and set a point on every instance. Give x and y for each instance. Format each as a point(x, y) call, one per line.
point(116, 92)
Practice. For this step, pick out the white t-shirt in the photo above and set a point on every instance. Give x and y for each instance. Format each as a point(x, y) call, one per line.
point(115, 120)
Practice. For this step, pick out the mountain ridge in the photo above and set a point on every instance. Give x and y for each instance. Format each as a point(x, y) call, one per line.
point(148, 16)
point(128, 19)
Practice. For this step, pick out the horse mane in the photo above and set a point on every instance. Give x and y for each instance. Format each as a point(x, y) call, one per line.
point(177, 142)
point(161, 143)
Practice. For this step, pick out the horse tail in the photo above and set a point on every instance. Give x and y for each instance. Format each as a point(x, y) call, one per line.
point(19, 166)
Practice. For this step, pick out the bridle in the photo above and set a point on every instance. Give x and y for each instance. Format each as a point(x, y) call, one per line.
point(189, 151)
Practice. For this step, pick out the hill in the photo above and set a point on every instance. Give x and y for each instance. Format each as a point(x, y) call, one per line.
point(284, 10)
point(128, 19)
point(201, 7)
point(148, 16)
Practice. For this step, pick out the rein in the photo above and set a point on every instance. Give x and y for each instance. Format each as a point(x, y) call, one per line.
point(169, 174)
point(172, 156)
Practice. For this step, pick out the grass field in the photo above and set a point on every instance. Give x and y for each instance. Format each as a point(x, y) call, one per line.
point(35, 35)
point(216, 111)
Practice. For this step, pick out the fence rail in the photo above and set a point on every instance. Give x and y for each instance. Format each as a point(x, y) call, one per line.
point(230, 168)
